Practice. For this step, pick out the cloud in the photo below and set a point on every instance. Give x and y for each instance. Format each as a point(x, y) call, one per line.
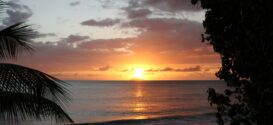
point(76, 3)
point(138, 13)
point(16, 13)
point(102, 23)
point(164, 40)
point(169, 69)
point(164, 24)
point(106, 44)
point(42, 35)
point(70, 75)
point(104, 68)
point(165, 5)
point(190, 69)
point(124, 70)
point(61, 56)
point(75, 38)
point(107, 3)
point(166, 34)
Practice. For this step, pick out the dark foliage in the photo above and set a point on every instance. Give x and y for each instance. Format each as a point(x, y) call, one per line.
point(241, 31)
point(27, 94)
point(15, 39)
point(30, 94)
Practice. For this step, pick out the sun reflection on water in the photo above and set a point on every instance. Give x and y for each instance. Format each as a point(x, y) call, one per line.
point(139, 91)
point(141, 117)
point(139, 106)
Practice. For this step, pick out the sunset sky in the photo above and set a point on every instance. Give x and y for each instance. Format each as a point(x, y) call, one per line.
point(115, 39)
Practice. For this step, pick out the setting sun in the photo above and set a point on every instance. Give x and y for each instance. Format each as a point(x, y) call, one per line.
point(139, 73)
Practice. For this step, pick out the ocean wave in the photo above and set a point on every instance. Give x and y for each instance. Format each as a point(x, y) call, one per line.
point(200, 119)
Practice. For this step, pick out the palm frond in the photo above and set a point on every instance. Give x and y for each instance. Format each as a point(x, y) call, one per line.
point(16, 78)
point(16, 107)
point(20, 79)
point(15, 39)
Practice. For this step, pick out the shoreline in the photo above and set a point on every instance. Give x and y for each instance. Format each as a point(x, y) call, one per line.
point(201, 119)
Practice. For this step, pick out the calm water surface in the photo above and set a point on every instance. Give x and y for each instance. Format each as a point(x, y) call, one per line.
point(99, 101)
point(102, 101)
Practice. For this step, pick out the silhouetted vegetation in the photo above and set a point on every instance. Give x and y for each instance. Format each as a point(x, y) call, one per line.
point(241, 31)
point(25, 93)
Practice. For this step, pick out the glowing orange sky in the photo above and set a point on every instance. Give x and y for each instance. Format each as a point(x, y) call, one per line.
point(110, 40)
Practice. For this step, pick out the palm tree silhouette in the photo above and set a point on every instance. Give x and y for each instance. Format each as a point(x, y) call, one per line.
point(26, 93)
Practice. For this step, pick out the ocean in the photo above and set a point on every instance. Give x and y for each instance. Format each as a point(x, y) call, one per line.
point(141, 103)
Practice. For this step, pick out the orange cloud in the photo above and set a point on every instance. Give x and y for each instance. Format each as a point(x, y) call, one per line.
point(169, 69)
